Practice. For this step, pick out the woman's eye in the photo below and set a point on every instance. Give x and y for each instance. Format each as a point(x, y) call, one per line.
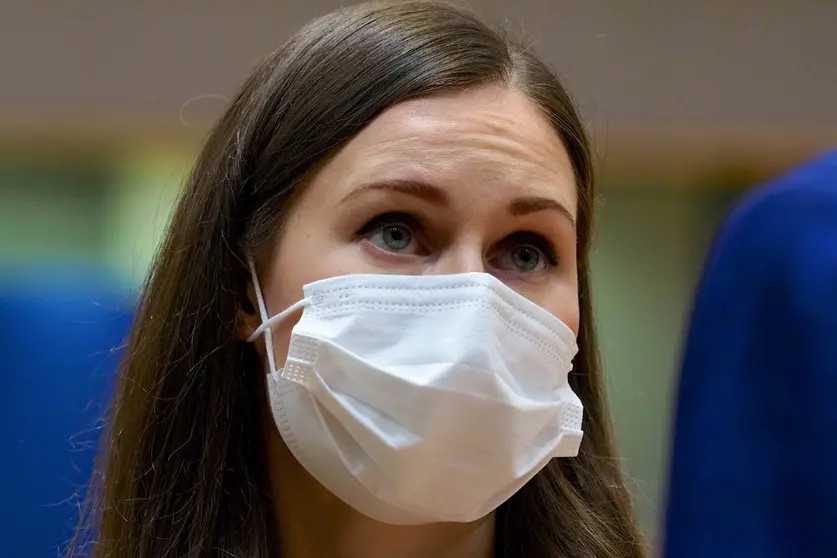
point(524, 254)
point(527, 258)
point(395, 237)
point(393, 233)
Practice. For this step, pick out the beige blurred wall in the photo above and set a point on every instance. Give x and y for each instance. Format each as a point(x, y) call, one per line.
point(671, 87)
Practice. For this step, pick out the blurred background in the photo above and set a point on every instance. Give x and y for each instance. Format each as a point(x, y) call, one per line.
point(103, 106)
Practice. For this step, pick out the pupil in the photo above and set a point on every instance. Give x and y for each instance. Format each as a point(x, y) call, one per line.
point(397, 238)
point(526, 259)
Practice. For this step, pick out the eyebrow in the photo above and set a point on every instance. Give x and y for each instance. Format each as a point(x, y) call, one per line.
point(533, 204)
point(427, 192)
point(437, 196)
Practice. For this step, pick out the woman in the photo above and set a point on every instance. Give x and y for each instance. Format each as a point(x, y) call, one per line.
point(415, 193)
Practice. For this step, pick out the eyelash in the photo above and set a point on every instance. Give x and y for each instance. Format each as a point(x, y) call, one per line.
point(392, 218)
point(520, 238)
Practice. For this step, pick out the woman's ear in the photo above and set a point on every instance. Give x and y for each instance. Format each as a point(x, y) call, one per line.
point(248, 318)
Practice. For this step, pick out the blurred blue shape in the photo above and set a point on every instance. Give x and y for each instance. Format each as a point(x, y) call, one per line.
point(60, 334)
point(754, 470)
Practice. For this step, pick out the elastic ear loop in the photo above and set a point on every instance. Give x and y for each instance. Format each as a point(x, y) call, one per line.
point(268, 322)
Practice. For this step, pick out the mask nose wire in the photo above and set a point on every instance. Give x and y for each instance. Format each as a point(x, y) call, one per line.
point(267, 322)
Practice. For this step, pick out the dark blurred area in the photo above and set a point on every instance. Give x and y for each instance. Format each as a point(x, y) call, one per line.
point(103, 106)
point(754, 460)
point(61, 331)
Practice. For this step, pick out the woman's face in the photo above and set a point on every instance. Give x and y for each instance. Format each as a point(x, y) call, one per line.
point(461, 182)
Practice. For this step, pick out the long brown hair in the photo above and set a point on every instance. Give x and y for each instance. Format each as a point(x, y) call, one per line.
point(183, 470)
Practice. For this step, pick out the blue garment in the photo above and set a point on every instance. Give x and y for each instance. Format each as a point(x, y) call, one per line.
point(57, 338)
point(754, 470)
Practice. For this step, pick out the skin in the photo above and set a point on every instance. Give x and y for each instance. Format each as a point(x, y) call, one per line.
point(468, 181)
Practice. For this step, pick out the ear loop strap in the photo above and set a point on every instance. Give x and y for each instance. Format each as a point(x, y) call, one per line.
point(267, 322)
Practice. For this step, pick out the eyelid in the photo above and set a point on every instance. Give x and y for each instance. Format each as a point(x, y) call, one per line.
point(390, 218)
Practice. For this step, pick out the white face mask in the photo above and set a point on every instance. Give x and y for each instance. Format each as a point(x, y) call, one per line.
point(423, 399)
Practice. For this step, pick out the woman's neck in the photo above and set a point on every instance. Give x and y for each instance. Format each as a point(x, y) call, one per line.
point(312, 522)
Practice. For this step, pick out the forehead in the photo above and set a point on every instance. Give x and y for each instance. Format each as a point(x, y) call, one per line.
point(485, 140)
